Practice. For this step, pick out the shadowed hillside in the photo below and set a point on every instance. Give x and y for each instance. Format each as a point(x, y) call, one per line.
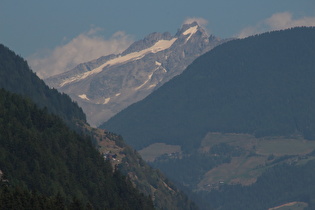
point(17, 77)
point(40, 153)
point(262, 85)
point(51, 166)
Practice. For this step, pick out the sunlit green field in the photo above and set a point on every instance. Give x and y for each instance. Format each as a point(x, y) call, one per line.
point(256, 159)
point(155, 150)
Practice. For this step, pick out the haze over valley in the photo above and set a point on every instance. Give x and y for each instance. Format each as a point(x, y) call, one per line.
point(176, 105)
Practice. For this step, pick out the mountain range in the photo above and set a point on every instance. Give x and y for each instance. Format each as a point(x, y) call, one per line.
point(105, 86)
point(234, 130)
point(239, 117)
point(262, 85)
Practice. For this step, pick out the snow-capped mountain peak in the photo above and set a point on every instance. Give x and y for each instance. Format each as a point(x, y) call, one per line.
point(190, 31)
point(158, 46)
point(107, 85)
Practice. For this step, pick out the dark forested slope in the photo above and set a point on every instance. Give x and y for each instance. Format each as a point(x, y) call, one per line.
point(262, 85)
point(16, 76)
point(39, 152)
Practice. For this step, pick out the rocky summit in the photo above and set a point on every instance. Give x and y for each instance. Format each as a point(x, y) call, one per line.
point(105, 86)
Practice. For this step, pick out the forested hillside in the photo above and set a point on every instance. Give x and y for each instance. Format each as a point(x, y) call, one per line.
point(16, 76)
point(49, 166)
point(150, 181)
point(262, 85)
point(38, 152)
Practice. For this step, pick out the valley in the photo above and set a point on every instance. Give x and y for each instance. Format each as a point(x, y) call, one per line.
point(157, 105)
point(249, 157)
point(217, 124)
point(258, 155)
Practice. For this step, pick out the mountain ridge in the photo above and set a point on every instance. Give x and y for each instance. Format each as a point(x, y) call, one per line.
point(238, 112)
point(183, 104)
point(107, 85)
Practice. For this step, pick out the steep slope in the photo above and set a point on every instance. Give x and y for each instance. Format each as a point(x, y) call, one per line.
point(149, 181)
point(40, 153)
point(16, 76)
point(262, 85)
point(39, 156)
point(105, 86)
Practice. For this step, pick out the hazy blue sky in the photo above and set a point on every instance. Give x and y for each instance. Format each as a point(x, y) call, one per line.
point(38, 29)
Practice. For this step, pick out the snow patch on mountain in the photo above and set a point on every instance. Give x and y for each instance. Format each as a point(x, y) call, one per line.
point(157, 47)
point(145, 82)
point(106, 100)
point(191, 31)
point(152, 86)
point(83, 96)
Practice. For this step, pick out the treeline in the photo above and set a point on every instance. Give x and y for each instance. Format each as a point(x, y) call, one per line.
point(38, 152)
point(17, 77)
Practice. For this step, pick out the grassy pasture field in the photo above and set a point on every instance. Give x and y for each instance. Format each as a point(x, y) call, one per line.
point(258, 154)
point(282, 146)
point(155, 150)
point(256, 158)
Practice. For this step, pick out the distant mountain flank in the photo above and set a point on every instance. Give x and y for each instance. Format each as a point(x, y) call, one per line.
point(107, 85)
point(262, 85)
point(236, 129)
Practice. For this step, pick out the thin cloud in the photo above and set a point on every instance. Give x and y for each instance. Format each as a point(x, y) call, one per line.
point(201, 21)
point(277, 21)
point(85, 47)
point(284, 20)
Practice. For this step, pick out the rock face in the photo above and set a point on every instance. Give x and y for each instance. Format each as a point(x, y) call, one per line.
point(105, 86)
